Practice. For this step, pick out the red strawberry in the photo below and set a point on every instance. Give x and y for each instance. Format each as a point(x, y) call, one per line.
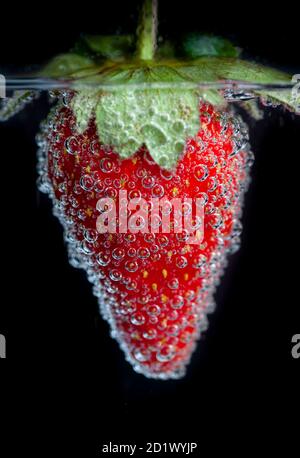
point(154, 289)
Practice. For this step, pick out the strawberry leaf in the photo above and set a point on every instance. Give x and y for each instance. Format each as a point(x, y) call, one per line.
point(13, 105)
point(208, 73)
point(64, 65)
point(110, 46)
point(195, 45)
point(161, 119)
point(129, 117)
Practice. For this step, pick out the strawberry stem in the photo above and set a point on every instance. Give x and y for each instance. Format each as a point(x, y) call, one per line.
point(147, 31)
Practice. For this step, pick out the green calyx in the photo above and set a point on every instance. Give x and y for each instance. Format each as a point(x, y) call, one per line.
point(157, 105)
point(129, 116)
point(139, 103)
point(161, 119)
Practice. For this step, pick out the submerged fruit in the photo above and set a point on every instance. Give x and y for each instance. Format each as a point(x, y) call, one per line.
point(155, 288)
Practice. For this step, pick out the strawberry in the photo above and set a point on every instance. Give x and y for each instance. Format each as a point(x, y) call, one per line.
point(139, 126)
point(155, 289)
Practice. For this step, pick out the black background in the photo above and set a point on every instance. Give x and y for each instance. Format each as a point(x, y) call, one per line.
point(67, 377)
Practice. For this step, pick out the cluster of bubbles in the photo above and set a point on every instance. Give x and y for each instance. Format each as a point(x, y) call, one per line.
point(161, 119)
point(157, 320)
point(13, 105)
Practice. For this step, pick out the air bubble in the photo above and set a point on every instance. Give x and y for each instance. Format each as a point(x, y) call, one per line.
point(103, 259)
point(90, 235)
point(130, 238)
point(212, 184)
point(165, 354)
point(177, 302)
point(95, 147)
point(153, 310)
point(163, 240)
point(111, 192)
point(86, 182)
point(131, 266)
point(200, 172)
point(86, 249)
point(143, 253)
point(172, 330)
point(131, 285)
point(81, 214)
point(127, 308)
point(166, 207)
point(203, 198)
point(118, 253)
point(200, 261)
point(178, 126)
point(138, 319)
point(216, 220)
point(141, 355)
point(131, 252)
point(148, 182)
point(181, 262)
point(71, 145)
point(150, 334)
point(106, 165)
point(158, 191)
point(183, 236)
point(99, 186)
point(149, 237)
point(115, 275)
point(173, 284)
point(135, 194)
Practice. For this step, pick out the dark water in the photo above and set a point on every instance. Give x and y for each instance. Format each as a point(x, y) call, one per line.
point(65, 383)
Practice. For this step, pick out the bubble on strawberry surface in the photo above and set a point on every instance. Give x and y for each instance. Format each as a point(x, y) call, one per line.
point(183, 236)
point(148, 182)
point(143, 300)
point(115, 275)
point(103, 259)
point(91, 235)
point(131, 252)
point(200, 172)
point(143, 253)
point(118, 253)
point(181, 262)
point(138, 319)
point(158, 191)
point(150, 334)
point(141, 355)
point(177, 302)
point(71, 145)
point(216, 220)
point(131, 266)
point(173, 284)
point(86, 182)
point(86, 248)
point(106, 165)
point(166, 353)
